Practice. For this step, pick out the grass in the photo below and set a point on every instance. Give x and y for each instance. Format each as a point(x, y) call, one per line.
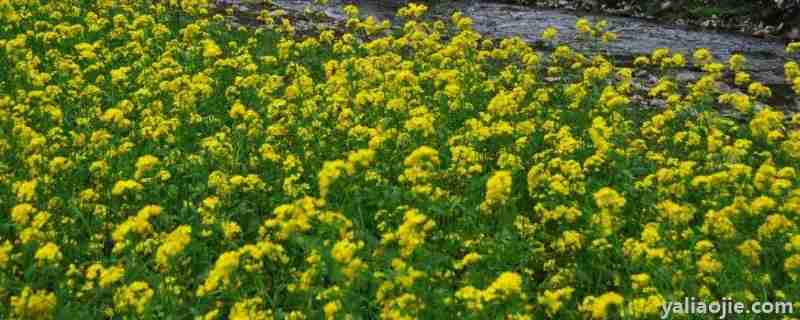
point(156, 167)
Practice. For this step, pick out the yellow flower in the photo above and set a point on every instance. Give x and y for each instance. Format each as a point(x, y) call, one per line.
point(175, 242)
point(742, 78)
point(659, 54)
point(793, 245)
point(230, 229)
point(351, 11)
point(676, 61)
point(464, 23)
point(611, 36)
point(138, 224)
point(507, 284)
point(361, 157)
point(30, 304)
point(751, 249)
point(640, 280)
point(549, 34)
point(762, 204)
point(58, 164)
point(120, 74)
point(503, 104)
point(5, 253)
point(759, 90)
point(331, 171)
point(498, 189)
point(344, 250)
point(583, 26)
point(422, 153)
point(796, 85)
point(599, 306)
point(145, 163)
point(26, 191)
point(765, 121)
point(220, 274)
point(410, 234)
point(791, 70)
point(792, 266)
point(793, 47)
point(22, 213)
point(110, 276)
point(641, 61)
point(331, 308)
point(737, 62)
point(676, 213)
point(472, 296)
point(412, 11)
point(466, 160)
point(124, 186)
point(468, 259)
point(421, 120)
point(703, 56)
point(553, 300)
point(249, 309)
point(644, 308)
point(608, 198)
point(775, 225)
point(49, 253)
point(115, 116)
point(211, 315)
point(707, 264)
point(210, 48)
point(133, 297)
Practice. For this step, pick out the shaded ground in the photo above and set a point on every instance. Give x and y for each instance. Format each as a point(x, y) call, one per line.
point(759, 17)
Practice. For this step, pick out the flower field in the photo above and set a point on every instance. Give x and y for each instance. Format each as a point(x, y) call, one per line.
point(157, 163)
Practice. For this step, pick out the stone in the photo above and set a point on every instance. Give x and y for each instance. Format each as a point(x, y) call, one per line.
point(637, 37)
point(687, 76)
point(793, 34)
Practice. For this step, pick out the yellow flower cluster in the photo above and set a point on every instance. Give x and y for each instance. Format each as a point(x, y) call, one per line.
point(498, 190)
point(599, 306)
point(221, 273)
point(792, 71)
point(249, 309)
point(139, 224)
point(411, 234)
point(507, 285)
point(49, 253)
point(33, 304)
point(106, 276)
point(175, 242)
point(157, 161)
point(134, 296)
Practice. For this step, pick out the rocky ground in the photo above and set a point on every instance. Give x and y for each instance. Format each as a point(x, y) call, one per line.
point(778, 19)
point(636, 36)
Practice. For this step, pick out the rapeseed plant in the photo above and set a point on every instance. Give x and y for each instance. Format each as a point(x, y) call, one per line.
point(156, 162)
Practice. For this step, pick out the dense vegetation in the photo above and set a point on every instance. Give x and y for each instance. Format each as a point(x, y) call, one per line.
point(156, 165)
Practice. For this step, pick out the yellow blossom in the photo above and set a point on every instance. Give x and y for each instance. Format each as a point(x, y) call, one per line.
point(221, 273)
point(498, 189)
point(133, 297)
point(599, 307)
point(175, 242)
point(33, 304)
point(607, 198)
point(49, 253)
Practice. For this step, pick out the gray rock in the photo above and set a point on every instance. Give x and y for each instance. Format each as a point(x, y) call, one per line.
point(687, 76)
point(635, 36)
